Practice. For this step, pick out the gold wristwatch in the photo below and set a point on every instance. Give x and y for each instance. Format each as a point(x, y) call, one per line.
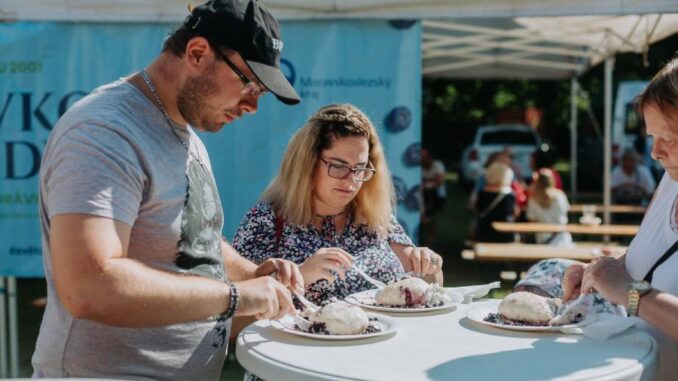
point(638, 288)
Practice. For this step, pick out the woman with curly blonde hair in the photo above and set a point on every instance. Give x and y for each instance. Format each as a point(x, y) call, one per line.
point(333, 196)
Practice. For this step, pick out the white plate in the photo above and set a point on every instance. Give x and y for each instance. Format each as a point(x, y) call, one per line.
point(388, 326)
point(479, 312)
point(366, 299)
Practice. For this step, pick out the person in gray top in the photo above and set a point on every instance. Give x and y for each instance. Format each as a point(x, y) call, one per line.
point(141, 284)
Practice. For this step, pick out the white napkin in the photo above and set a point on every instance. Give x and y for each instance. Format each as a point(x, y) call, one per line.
point(602, 326)
point(473, 292)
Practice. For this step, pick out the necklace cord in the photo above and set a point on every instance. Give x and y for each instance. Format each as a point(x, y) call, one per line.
point(158, 102)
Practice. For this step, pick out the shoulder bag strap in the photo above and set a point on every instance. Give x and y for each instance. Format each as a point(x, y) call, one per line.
point(278, 231)
point(667, 255)
point(492, 205)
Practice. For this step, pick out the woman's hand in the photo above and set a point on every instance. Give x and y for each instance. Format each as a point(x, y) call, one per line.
point(326, 263)
point(605, 275)
point(284, 271)
point(609, 278)
point(572, 281)
point(421, 260)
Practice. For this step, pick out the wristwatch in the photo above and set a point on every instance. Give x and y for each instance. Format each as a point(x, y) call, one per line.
point(638, 288)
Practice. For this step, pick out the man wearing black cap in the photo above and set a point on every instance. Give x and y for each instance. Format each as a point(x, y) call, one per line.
point(140, 283)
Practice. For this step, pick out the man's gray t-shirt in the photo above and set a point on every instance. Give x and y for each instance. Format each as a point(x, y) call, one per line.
point(114, 155)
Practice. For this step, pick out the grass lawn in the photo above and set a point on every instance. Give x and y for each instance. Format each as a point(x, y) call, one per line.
point(448, 241)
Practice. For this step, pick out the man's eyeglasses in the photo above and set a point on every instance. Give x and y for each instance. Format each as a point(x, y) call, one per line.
point(341, 171)
point(250, 87)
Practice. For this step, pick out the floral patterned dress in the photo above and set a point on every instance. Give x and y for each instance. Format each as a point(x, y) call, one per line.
point(256, 240)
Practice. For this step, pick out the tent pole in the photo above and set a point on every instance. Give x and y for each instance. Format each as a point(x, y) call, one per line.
point(574, 88)
point(3, 329)
point(13, 327)
point(607, 162)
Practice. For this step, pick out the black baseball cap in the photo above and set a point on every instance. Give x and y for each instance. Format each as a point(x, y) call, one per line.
point(248, 28)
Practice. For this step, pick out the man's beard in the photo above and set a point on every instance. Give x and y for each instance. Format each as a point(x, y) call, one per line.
point(191, 101)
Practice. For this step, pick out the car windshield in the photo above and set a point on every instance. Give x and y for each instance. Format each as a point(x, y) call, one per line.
point(508, 137)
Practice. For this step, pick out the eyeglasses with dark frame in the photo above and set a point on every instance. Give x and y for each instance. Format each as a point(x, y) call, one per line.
point(250, 87)
point(341, 171)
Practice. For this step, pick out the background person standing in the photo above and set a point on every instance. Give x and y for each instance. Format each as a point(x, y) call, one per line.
point(435, 193)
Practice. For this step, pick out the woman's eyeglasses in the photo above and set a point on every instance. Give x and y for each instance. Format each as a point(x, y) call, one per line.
point(341, 171)
point(250, 87)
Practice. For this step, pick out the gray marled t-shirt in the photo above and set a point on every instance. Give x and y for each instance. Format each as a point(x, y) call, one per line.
point(114, 155)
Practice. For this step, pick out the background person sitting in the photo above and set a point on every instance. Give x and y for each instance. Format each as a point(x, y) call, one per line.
point(544, 158)
point(632, 183)
point(548, 204)
point(495, 202)
point(517, 187)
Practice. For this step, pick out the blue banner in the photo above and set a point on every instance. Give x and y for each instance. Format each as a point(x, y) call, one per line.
point(46, 67)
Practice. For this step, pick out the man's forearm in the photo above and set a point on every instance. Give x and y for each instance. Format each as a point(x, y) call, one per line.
point(128, 293)
point(95, 279)
point(238, 268)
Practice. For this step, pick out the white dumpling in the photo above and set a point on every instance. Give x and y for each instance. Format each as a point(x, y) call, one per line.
point(341, 318)
point(529, 308)
point(407, 292)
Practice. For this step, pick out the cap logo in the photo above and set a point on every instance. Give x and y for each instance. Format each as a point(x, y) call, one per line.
point(277, 44)
point(195, 25)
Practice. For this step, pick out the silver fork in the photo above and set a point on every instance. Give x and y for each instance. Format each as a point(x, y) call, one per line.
point(376, 283)
point(307, 303)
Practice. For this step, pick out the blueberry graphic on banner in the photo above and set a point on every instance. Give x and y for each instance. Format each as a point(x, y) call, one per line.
point(413, 199)
point(288, 69)
point(401, 24)
point(400, 188)
point(412, 155)
point(398, 119)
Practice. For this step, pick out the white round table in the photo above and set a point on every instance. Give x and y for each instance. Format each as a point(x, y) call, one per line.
point(446, 346)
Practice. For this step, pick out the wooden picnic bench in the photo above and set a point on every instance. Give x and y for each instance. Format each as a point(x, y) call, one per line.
point(621, 209)
point(528, 252)
point(538, 227)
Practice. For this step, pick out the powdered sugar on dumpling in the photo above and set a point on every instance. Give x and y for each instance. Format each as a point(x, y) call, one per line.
point(526, 307)
point(412, 292)
point(339, 318)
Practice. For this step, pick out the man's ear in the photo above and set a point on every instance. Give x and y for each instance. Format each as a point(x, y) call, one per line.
point(197, 49)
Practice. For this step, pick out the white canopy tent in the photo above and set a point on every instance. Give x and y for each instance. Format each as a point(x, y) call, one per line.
point(499, 39)
point(173, 10)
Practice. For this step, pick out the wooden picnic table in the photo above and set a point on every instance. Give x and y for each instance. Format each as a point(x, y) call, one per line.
point(538, 227)
point(621, 209)
point(529, 252)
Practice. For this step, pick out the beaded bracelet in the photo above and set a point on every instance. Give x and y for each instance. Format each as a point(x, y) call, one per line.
point(234, 302)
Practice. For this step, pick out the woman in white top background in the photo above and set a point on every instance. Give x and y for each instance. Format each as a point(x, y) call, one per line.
point(548, 204)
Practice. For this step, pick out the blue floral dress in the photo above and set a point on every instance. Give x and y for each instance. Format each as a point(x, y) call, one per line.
point(256, 240)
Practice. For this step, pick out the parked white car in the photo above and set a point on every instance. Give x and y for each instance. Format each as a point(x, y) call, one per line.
point(521, 139)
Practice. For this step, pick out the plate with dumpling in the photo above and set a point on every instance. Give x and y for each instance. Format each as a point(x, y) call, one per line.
point(526, 311)
point(338, 320)
point(407, 295)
